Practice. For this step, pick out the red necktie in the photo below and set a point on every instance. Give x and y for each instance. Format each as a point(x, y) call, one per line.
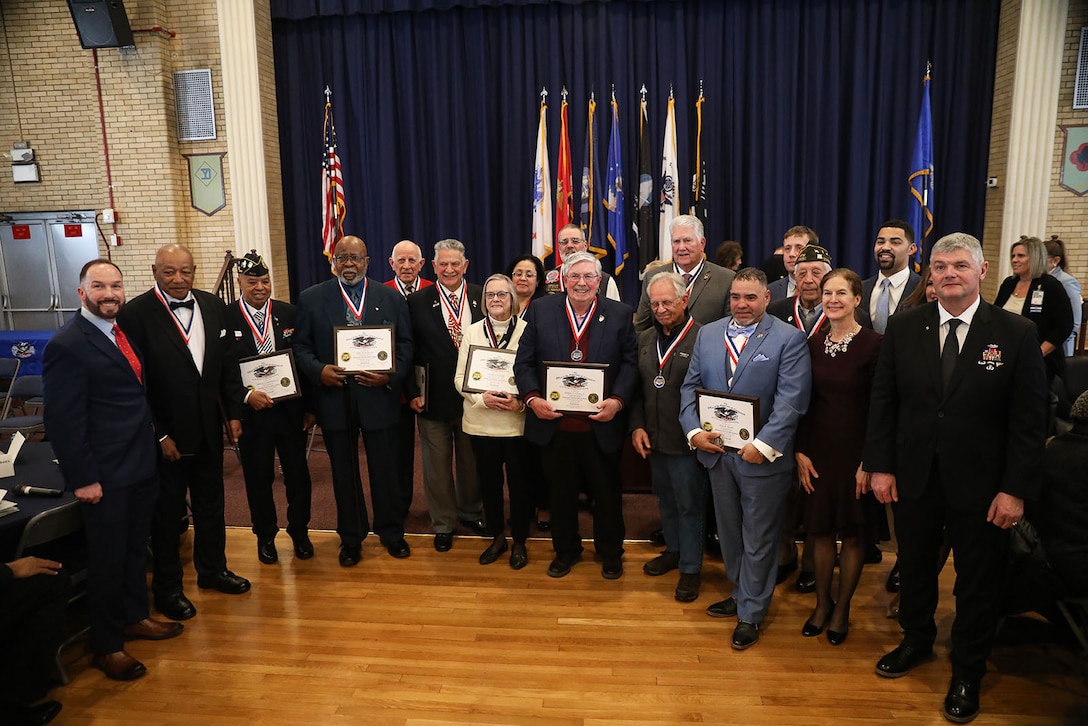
point(130, 355)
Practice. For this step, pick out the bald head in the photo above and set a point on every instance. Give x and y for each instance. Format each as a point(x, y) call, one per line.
point(174, 270)
point(407, 261)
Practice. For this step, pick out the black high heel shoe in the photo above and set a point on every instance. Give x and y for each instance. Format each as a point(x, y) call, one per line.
point(810, 630)
point(835, 637)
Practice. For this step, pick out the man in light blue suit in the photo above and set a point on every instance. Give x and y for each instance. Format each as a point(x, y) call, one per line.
point(750, 354)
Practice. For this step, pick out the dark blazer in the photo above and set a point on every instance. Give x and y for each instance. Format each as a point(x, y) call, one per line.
point(320, 309)
point(869, 284)
point(96, 413)
point(985, 434)
point(184, 401)
point(611, 341)
point(283, 330)
point(658, 409)
point(435, 349)
point(1053, 318)
point(783, 310)
point(780, 288)
point(708, 301)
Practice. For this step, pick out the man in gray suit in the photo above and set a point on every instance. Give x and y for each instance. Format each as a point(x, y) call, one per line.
point(893, 249)
point(756, 355)
point(793, 241)
point(707, 284)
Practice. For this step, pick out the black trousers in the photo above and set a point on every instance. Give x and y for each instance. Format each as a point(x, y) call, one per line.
point(201, 475)
point(573, 458)
point(491, 454)
point(31, 619)
point(535, 476)
point(264, 433)
point(406, 457)
point(117, 529)
point(352, 522)
point(979, 549)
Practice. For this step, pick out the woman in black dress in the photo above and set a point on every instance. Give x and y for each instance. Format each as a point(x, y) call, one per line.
point(829, 445)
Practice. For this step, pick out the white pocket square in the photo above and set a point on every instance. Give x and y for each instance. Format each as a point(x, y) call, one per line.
point(222, 333)
point(759, 358)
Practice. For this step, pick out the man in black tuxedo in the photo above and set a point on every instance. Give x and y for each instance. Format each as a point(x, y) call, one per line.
point(346, 403)
point(261, 325)
point(580, 327)
point(99, 423)
point(440, 314)
point(895, 280)
point(956, 434)
point(192, 368)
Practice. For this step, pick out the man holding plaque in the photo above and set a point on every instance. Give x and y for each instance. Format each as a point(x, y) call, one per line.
point(576, 368)
point(753, 365)
point(679, 481)
point(349, 401)
point(262, 326)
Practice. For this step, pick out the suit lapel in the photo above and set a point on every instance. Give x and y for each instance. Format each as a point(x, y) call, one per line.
point(700, 284)
point(105, 345)
point(596, 334)
point(170, 329)
point(977, 335)
point(751, 347)
point(930, 346)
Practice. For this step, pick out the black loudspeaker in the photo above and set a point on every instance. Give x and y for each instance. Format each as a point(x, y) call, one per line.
point(101, 23)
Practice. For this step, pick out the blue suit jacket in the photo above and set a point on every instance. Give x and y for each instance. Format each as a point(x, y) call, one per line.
point(611, 340)
point(96, 411)
point(774, 367)
point(320, 309)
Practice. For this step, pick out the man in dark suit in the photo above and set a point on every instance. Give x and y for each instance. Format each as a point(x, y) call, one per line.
point(407, 261)
point(956, 433)
point(440, 314)
point(896, 281)
point(707, 284)
point(749, 354)
point(346, 403)
point(793, 241)
point(583, 328)
point(261, 325)
point(99, 422)
point(191, 368)
point(679, 481)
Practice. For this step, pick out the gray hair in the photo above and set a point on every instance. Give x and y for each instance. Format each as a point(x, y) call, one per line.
point(581, 257)
point(672, 278)
point(1036, 250)
point(959, 241)
point(1079, 411)
point(448, 244)
point(687, 220)
point(499, 277)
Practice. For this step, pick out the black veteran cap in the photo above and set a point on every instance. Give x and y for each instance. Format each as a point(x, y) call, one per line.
point(814, 253)
point(252, 264)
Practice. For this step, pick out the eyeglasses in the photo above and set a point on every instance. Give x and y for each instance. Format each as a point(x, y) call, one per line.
point(344, 259)
point(571, 241)
point(663, 304)
point(500, 294)
point(530, 274)
point(588, 277)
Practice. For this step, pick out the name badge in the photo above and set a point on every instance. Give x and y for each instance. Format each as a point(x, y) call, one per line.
point(1036, 302)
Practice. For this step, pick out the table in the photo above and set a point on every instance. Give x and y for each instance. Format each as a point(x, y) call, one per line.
point(34, 467)
point(27, 346)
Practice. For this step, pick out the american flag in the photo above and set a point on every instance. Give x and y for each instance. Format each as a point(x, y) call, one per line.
point(332, 186)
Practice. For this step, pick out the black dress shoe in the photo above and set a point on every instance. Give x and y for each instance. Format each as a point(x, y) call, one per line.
point(687, 589)
point(806, 582)
point(226, 582)
point(175, 607)
point(350, 556)
point(493, 552)
point(873, 555)
point(892, 583)
point(664, 562)
point(612, 568)
point(37, 715)
point(961, 703)
point(519, 558)
point(784, 571)
point(304, 548)
point(443, 541)
point(561, 565)
point(266, 551)
point(745, 635)
point(476, 525)
point(723, 609)
point(902, 660)
point(399, 549)
point(835, 637)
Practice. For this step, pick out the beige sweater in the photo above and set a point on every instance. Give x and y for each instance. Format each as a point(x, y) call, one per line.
point(478, 419)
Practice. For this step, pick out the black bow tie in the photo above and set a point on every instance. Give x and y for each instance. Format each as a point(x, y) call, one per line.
point(183, 304)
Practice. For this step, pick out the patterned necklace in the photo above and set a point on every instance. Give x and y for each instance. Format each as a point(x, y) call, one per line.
point(833, 349)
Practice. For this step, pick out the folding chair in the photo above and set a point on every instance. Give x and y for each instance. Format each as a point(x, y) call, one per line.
point(47, 529)
point(23, 388)
point(1075, 612)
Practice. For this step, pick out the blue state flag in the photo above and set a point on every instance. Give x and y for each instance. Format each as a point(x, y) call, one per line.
point(613, 194)
point(921, 180)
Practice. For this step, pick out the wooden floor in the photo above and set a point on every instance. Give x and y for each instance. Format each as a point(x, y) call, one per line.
point(438, 639)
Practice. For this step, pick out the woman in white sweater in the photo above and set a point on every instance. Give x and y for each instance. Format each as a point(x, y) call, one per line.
point(494, 418)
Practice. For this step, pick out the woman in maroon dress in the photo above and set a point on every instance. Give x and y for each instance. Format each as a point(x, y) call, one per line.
point(829, 444)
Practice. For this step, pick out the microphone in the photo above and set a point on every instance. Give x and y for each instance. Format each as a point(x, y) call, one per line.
point(28, 491)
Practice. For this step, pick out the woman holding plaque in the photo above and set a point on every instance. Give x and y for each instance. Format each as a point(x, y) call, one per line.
point(829, 444)
point(494, 417)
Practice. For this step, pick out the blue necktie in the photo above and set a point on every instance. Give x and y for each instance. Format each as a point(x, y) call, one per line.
point(883, 306)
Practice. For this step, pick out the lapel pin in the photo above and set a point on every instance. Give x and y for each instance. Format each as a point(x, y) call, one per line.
point(600, 319)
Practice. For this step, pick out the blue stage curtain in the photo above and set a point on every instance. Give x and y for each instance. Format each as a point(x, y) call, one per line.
point(810, 114)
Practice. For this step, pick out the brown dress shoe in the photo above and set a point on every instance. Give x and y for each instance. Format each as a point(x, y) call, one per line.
point(119, 666)
point(151, 629)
